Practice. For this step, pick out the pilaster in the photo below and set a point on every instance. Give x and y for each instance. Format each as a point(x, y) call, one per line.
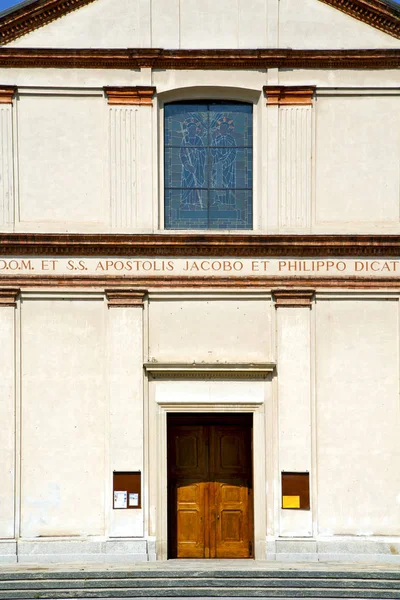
point(130, 127)
point(7, 411)
point(294, 398)
point(272, 145)
point(295, 153)
point(125, 323)
point(6, 157)
point(272, 23)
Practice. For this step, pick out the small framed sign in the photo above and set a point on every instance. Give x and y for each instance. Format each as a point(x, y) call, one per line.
point(296, 491)
point(120, 499)
point(127, 489)
point(134, 500)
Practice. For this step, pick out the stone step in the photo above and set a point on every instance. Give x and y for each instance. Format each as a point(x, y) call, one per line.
point(146, 573)
point(219, 583)
point(201, 593)
point(207, 582)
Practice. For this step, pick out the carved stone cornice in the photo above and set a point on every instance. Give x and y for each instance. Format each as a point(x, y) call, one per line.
point(209, 370)
point(198, 59)
point(280, 95)
point(293, 298)
point(27, 18)
point(8, 296)
point(125, 298)
point(138, 95)
point(191, 244)
point(7, 93)
point(376, 13)
point(264, 284)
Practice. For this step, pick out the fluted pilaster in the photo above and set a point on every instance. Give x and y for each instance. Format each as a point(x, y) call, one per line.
point(123, 172)
point(295, 167)
point(6, 157)
point(294, 153)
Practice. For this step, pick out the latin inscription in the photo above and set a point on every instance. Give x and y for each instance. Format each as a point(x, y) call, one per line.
point(201, 267)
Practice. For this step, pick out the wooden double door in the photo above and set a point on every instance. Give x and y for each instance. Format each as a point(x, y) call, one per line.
point(210, 497)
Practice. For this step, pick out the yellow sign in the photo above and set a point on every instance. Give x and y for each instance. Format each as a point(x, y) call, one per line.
point(290, 501)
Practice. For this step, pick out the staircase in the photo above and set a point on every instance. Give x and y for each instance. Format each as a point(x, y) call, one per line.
point(201, 583)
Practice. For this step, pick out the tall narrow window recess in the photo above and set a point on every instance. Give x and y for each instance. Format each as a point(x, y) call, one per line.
point(208, 165)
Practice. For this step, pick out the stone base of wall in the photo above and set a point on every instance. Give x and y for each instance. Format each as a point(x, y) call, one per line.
point(141, 550)
point(335, 550)
point(8, 551)
point(76, 551)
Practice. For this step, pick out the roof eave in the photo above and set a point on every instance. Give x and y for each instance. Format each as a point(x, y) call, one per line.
point(25, 17)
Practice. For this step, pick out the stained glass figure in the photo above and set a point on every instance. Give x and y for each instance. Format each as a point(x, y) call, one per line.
point(224, 155)
point(208, 165)
point(193, 159)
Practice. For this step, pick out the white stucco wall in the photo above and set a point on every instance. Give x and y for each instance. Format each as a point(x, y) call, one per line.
point(63, 418)
point(358, 417)
point(102, 24)
point(357, 167)
point(312, 24)
point(8, 422)
point(205, 330)
point(206, 24)
point(62, 150)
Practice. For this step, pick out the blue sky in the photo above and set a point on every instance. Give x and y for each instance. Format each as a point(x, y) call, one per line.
point(7, 3)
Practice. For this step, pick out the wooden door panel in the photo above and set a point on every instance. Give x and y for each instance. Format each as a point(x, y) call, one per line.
point(230, 451)
point(211, 497)
point(233, 519)
point(190, 519)
point(187, 452)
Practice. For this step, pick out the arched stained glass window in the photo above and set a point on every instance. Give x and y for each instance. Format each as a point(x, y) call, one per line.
point(208, 165)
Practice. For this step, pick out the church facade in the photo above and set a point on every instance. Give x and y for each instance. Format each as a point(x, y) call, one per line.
point(200, 280)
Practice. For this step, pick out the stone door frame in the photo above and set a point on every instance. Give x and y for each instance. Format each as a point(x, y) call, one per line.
point(160, 404)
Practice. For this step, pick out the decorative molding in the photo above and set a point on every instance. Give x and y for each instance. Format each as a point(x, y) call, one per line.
point(198, 59)
point(288, 95)
point(264, 284)
point(34, 15)
point(192, 244)
point(125, 298)
point(293, 298)
point(376, 13)
point(209, 370)
point(7, 93)
point(138, 95)
point(8, 296)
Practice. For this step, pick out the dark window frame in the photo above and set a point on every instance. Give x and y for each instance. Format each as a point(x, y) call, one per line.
point(197, 202)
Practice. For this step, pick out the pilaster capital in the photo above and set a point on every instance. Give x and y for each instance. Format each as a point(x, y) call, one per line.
point(140, 95)
point(125, 298)
point(8, 296)
point(292, 298)
point(280, 95)
point(7, 93)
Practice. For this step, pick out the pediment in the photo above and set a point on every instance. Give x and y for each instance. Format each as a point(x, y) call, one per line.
point(190, 24)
